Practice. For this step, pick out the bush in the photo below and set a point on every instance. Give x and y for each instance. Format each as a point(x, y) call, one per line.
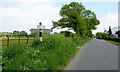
point(79, 41)
point(107, 38)
point(118, 33)
point(67, 33)
point(104, 35)
point(116, 39)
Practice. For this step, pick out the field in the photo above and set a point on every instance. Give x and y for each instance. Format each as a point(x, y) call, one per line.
point(15, 40)
point(52, 54)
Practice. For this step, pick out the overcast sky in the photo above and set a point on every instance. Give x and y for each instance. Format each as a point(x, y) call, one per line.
point(26, 14)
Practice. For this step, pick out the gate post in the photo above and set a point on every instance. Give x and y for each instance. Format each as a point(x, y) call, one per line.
point(33, 39)
point(27, 39)
point(19, 39)
point(7, 40)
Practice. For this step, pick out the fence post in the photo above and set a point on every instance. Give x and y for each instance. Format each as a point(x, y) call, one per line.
point(27, 39)
point(7, 40)
point(19, 39)
point(33, 39)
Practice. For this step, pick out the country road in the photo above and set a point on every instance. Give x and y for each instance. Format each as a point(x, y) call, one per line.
point(95, 55)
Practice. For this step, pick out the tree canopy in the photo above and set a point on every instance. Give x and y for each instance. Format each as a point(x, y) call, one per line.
point(75, 16)
point(118, 33)
point(23, 33)
point(98, 34)
point(16, 32)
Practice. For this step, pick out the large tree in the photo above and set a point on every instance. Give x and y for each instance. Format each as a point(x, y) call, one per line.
point(91, 21)
point(76, 17)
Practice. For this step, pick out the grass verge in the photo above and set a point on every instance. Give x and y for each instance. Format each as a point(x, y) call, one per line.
point(53, 54)
point(113, 42)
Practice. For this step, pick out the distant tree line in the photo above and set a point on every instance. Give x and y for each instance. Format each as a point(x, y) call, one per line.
point(21, 33)
point(104, 34)
point(15, 33)
point(108, 34)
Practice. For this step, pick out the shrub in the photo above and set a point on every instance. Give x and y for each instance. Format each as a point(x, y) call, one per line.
point(104, 35)
point(118, 33)
point(67, 33)
point(116, 39)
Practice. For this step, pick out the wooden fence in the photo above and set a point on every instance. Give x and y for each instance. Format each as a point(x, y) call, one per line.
point(18, 39)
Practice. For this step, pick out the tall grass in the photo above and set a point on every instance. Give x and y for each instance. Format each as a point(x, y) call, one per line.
point(52, 54)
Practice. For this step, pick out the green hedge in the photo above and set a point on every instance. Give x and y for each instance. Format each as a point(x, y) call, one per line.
point(116, 39)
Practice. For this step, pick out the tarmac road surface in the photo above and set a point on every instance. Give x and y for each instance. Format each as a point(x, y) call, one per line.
point(95, 55)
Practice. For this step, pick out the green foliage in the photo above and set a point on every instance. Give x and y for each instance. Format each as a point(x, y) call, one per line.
point(75, 16)
point(10, 35)
point(3, 33)
point(90, 19)
point(0, 34)
point(34, 34)
point(16, 32)
point(46, 33)
point(89, 33)
point(56, 33)
point(23, 33)
point(67, 33)
point(118, 33)
point(104, 35)
point(79, 41)
point(53, 54)
point(116, 39)
point(113, 42)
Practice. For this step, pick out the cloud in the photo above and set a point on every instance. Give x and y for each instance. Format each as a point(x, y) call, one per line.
point(111, 19)
point(18, 19)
